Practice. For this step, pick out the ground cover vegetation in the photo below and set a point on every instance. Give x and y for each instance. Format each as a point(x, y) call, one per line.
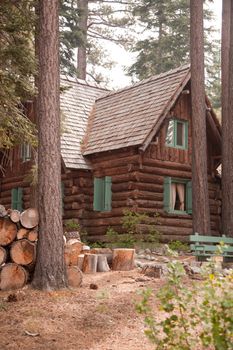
point(192, 316)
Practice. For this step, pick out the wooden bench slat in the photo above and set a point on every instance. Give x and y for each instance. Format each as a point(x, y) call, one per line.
point(204, 246)
point(211, 239)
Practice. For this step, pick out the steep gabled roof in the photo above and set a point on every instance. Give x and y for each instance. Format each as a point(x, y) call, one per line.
point(131, 116)
point(77, 101)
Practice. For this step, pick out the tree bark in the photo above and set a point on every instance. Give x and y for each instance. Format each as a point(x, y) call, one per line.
point(82, 50)
point(201, 211)
point(123, 259)
point(227, 118)
point(50, 270)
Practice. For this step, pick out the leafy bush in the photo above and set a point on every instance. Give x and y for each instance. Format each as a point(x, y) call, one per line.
point(132, 236)
point(179, 246)
point(196, 317)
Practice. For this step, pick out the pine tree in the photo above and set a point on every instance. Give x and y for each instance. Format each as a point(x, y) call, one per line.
point(86, 25)
point(167, 43)
point(201, 210)
point(50, 271)
point(17, 66)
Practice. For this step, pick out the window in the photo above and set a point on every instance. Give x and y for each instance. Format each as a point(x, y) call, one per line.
point(25, 152)
point(177, 196)
point(177, 134)
point(17, 198)
point(102, 193)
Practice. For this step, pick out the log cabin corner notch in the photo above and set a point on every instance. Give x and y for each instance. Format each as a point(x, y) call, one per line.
point(130, 149)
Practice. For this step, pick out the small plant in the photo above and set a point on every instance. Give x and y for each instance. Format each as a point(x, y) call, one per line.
point(72, 225)
point(179, 246)
point(191, 318)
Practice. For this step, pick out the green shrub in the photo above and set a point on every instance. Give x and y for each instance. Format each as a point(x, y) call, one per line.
point(179, 246)
point(196, 317)
point(132, 236)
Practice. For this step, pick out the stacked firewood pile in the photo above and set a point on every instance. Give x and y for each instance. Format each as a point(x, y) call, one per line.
point(18, 236)
point(18, 239)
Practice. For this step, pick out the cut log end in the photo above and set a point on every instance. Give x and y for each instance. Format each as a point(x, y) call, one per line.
point(8, 231)
point(23, 252)
point(12, 276)
point(15, 216)
point(74, 276)
point(29, 218)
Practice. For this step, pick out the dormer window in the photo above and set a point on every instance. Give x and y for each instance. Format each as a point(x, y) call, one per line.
point(177, 134)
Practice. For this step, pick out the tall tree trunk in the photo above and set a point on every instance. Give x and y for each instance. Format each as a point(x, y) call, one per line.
point(201, 212)
point(33, 203)
point(227, 118)
point(50, 270)
point(82, 50)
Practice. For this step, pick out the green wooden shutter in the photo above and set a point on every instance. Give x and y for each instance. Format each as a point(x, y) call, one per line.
point(17, 198)
point(14, 198)
point(108, 193)
point(98, 202)
point(167, 194)
point(189, 197)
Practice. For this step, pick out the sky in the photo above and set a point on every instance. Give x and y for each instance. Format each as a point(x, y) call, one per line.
point(123, 58)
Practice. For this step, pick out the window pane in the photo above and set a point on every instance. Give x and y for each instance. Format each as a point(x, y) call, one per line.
point(170, 133)
point(180, 134)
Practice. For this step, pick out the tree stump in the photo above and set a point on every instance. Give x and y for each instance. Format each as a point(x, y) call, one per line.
point(3, 256)
point(15, 216)
point(12, 276)
point(29, 218)
point(74, 276)
point(102, 264)
point(22, 233)
point(23, 252)
point(8, 231)
point(72, 250)
point(123, 259)
point(90, 263)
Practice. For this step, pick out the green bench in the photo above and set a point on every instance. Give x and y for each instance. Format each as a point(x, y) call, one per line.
point(204, 247)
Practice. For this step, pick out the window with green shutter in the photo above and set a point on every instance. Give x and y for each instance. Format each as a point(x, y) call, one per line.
point(17, 198)
point(25, 152)
point(102, 193)
point(177, 134)
point(177, 195)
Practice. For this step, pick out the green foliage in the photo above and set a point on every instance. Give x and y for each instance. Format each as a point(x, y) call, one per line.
point(72, 225)
point(166, 42)
point(193, 317)
point(179, 246)
point(132, 236)
point(17, 67)
point(107, 21)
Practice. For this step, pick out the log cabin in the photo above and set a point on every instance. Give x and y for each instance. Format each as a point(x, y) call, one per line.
point(126, 149)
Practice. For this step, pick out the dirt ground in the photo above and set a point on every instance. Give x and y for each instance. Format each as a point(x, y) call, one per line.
point(81, 319)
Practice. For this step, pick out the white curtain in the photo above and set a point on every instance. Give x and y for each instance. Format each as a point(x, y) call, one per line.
point(173, 196)
point(180, 191)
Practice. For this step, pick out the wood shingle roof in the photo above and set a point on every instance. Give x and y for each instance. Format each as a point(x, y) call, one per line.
point(76, 101)
point(131, 116)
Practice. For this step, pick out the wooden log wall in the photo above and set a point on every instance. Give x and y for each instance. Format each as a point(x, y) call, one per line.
point(137, 183)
